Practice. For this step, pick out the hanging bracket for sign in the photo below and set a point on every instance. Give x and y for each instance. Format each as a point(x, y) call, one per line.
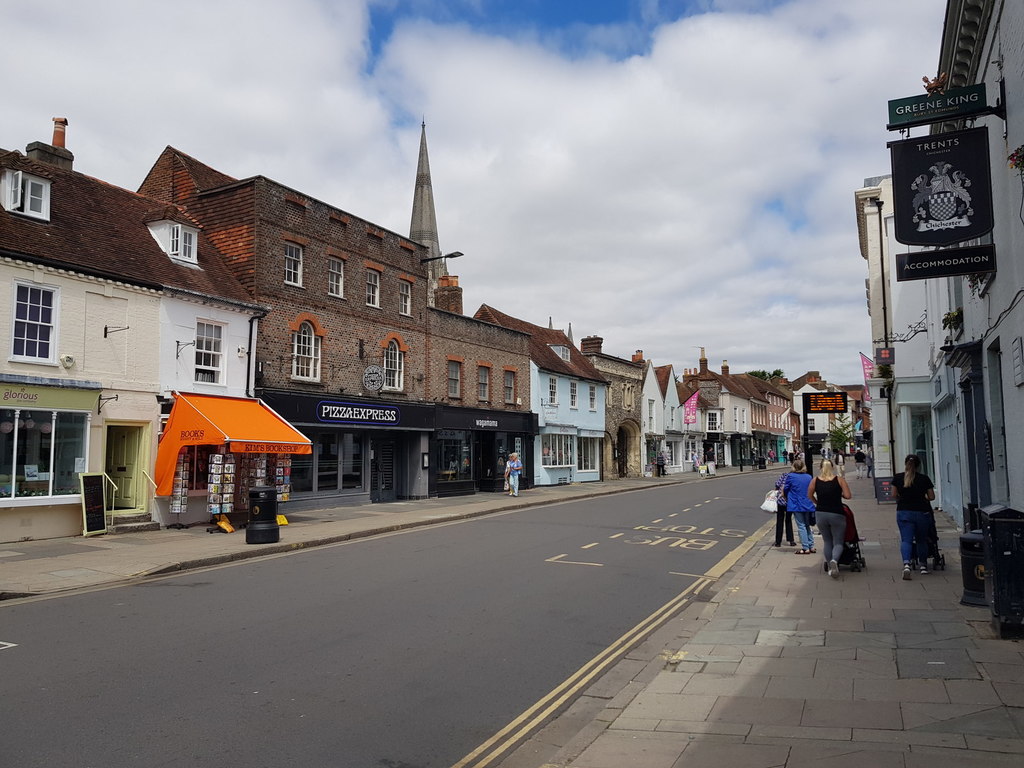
point(103, 401)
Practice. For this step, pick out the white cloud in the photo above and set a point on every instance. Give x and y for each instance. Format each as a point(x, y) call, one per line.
point(700, 194)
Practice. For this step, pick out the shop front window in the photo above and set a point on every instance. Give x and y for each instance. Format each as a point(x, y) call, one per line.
point(336, 463)
point(589, 454)
point(454, 455)
point(351, 462)
point(557, 450)
point(41, 453)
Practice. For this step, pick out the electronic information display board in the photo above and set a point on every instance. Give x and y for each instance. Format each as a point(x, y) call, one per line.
point(825, 402)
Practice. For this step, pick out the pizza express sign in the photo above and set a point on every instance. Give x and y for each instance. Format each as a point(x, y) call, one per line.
point(356, 413)
point(942, 188)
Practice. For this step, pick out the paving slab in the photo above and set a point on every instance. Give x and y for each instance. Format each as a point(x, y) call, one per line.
point(710, 754)
point(854, 714)
point(977, 719)
point(939, 663)
point(761, 711)
point(838, 689)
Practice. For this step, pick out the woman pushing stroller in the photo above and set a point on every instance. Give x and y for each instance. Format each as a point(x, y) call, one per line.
point(828, 490)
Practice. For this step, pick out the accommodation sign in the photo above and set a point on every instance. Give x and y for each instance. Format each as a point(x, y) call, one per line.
point(942, 188)
point(947, 262)
point(933, 108)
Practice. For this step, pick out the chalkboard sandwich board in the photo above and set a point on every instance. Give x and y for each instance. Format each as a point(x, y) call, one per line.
point(94, 503)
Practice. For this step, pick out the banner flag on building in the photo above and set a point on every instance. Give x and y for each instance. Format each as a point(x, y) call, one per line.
point(690, 409)
point(868, 366)
point(942, 188)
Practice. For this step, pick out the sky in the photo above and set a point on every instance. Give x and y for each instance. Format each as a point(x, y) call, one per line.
point(665, 174)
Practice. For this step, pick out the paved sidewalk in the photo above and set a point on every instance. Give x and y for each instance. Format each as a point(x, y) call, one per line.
point(788, 667)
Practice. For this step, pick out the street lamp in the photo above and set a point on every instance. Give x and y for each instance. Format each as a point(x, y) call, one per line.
point(885, 339)
point(452, 255)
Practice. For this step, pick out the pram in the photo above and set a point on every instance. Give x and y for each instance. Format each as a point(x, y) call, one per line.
point(852, 555)
point(934, 553)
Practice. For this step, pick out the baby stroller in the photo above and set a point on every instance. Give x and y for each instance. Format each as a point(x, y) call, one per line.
point(852, 555)
point(934, 553)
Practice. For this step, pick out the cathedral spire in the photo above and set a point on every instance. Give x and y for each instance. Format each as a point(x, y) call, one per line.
point(423, 228)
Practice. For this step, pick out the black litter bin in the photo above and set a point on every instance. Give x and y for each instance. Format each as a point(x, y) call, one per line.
point(262, 527)
point(1003, 529)
point(972, 563)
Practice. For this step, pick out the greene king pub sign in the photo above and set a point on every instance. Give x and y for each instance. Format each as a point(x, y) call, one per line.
point(942, 188)
point(933, 108)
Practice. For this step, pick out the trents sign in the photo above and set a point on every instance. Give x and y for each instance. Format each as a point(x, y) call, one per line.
point(825, 402)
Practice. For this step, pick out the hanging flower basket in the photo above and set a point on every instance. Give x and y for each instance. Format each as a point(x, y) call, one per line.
point(1016, 159)
point(952, 321)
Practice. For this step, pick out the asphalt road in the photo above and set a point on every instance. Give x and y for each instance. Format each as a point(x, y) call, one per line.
point(411, 650)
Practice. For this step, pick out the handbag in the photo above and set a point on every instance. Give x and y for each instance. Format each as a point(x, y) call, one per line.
point(506, 484)
point(771, 501)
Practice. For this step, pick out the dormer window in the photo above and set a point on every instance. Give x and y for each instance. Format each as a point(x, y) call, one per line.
point(179, 241)
point(561, 350)
point(182, 245)
point(27, 195)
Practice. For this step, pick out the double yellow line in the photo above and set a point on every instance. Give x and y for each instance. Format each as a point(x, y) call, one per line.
point(519, 728)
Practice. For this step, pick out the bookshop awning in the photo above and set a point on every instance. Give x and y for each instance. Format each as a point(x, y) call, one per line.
point(243, 425)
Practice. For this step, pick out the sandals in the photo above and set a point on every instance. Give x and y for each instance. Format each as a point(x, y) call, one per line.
point(810, 551)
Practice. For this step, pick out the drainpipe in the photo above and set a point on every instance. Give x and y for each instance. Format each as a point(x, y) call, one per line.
point(249, 354)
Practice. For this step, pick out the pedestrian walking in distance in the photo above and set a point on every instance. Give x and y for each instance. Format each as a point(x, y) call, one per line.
point(860, 459)
point(513, 469)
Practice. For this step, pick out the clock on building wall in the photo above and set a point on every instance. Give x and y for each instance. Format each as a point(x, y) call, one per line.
point(373, 378)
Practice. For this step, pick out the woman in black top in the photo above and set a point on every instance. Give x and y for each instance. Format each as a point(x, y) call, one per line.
point(828, 491)
point(914, 494)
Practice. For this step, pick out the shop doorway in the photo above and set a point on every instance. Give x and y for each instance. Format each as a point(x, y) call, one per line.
point(382, 471)
point(122, 465)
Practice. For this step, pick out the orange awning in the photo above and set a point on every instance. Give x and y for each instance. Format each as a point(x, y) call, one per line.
point(245, 425)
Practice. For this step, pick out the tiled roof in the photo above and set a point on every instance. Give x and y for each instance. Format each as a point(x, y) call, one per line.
point(101, 230)
point(663, 374)
point(763, 387)
point(166, 182)
point(541, 340)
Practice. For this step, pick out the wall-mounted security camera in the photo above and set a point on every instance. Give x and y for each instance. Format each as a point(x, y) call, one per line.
point(67, 360)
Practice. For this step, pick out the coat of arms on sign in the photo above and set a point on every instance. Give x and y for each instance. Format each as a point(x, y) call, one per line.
point(941, 199)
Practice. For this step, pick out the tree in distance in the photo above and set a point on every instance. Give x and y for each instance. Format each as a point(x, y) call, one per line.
point(776, 374)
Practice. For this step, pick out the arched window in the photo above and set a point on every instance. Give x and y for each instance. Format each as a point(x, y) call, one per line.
point(306, 353)
point(394, 366)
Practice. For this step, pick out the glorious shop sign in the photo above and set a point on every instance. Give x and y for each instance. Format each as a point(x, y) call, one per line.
point(942, 188)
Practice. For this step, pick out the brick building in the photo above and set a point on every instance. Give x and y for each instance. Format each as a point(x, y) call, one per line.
point(351, 350)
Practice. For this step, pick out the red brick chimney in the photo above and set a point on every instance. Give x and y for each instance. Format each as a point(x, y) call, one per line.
point(60, 125)
point(638, 356)
point(725, 367)
point(53, 154)
point(591, 345)
point(448, 295)
point(703, 361)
